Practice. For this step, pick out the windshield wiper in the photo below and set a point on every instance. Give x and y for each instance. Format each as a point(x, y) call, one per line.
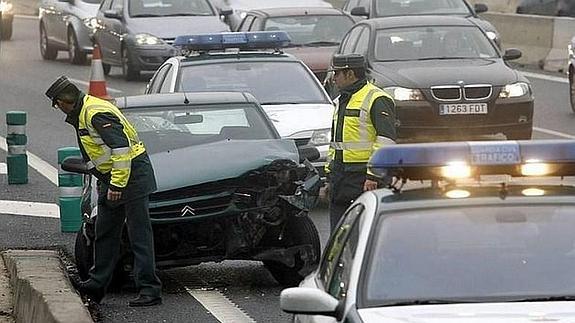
point(444, 57)
point(427, 302)
point(145, 15)
point(321, 43)
point(545, 299)
point(184, 14)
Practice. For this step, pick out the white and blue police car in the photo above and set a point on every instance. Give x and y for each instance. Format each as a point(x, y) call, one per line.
point(486, 235)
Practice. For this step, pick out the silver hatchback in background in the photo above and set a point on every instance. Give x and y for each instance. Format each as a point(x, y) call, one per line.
point(67, 25)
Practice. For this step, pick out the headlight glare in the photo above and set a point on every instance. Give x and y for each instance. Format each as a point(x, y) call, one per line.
point(514, 90)
point(320, 137)
point(91, 23)
point(404, 94)
point(492, 35)
point(5, 6)
point(147, 39)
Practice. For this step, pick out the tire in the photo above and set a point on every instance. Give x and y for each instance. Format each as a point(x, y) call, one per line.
point(48, 52)
point(523, 133)
point(6, 31)
point(572, 88)
point(75, 53)
point(129, 72)
point(298, 231)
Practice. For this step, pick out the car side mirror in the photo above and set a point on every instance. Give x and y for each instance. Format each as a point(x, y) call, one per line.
point(75, 164)
point(226, 11)
point(480, 7)
point(511, 54)
point(359, 11)
point(308, 152)
point(308, 301)
point(113, 14)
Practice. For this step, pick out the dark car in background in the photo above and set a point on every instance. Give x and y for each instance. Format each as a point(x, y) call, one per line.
point(315, 32)
point(67, 25)
point(137, 35)
point(547, 7)
point(390, 8)
point(448, 80)
point(229, 188)
point(7, 10)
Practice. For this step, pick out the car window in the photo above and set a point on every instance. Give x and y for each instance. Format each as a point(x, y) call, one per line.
point(158, 80)
point(350, 5)
point(363, 42)
point(339, 253)
point(350, 40)
point(433, 42)
point(257, 24)
point(296, 84)
point(118, 5)
point(246, 23)
point(106, 4)
point(167, 83)
point(163, 8)
point(168, 128)
point(311, 29)
point(385, 8)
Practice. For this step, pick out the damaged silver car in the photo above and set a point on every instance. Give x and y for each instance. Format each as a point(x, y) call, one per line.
point(228, 187)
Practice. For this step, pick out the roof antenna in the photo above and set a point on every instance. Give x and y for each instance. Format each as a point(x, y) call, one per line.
point(186, 101)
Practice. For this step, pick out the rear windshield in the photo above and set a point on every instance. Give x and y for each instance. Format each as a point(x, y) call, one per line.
point(311, 30)
point(386, 8)
point(164, 8)
point(269, 82)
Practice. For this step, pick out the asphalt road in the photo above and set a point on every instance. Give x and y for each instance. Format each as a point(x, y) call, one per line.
point(24, 77)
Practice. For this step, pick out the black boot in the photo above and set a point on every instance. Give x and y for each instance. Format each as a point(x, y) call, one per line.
point(145, 300)
point(92, 292)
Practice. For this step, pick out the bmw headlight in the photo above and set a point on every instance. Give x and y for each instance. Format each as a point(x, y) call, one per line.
point(404, 94)
point(320, 137)
point(5, 6)
point(91, 23)
point(147, 39)
point(514, 90)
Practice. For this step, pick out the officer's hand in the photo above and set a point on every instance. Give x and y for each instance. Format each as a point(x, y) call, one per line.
point(114, 195)
point(369, 185)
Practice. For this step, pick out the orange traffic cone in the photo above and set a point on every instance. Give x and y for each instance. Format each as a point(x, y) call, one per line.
point(97, 82)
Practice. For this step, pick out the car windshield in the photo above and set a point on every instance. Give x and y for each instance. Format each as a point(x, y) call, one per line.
point(167, 128)
point(432, 42)
point(160, 8)
point(310, 30)
point(472, 254)
point(269, 82)
point(386, 8)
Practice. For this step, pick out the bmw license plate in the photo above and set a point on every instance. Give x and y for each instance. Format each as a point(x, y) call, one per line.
point(463, 108)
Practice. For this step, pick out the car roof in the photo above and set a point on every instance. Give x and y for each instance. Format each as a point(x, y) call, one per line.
point(297, 11)
point(234, 56)
point(178, 99)
point(415, 21)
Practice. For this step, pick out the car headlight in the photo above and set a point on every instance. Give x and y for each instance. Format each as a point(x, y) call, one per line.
point(147, 39)
point(514, 90)
point(404, 94)
point(320, 137)
point(491, 35)
point(5, 6)
point(91, 23)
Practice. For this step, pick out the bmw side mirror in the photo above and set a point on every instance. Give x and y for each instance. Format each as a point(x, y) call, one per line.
point(480, 7)
point(226, 11)
point(511, 54)
point(359, 11)
point(75, 164)
point(308, 152)
point(113, 14)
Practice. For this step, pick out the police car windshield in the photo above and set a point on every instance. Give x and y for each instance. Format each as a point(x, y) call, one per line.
point(504, 253)
point(269, 82)
point(433, 42)
point(386, 8)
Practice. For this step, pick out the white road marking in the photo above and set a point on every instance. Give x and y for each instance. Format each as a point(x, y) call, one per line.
point(554, 133)
point(220, 306)
point(44, 210)
point(3, 169)
point(87, 84)
point(44, 168)
point(546, 77)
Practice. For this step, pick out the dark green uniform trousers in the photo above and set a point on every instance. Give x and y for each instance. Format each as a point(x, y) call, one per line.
point(344, 188)
point(109, 225)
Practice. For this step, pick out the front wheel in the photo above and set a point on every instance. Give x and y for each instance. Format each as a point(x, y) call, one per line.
point(46, 50)
point(298, 231)
point(75, 53)
point(129, 71)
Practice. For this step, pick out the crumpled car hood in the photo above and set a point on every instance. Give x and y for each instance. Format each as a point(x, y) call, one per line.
point(217, 161)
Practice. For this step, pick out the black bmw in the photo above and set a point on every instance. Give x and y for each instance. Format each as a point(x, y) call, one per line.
point(447, 79)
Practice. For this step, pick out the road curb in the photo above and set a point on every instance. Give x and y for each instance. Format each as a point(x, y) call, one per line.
point(41, 290)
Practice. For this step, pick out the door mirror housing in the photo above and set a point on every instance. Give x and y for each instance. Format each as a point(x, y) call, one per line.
point(308, 301)
point(226, 11)
point(113, 14)
point(511, 54)
point(480, 7)
point(359, 11)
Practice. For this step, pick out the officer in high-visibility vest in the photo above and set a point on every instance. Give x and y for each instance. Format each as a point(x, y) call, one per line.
point(363, 121)
point(110, 146)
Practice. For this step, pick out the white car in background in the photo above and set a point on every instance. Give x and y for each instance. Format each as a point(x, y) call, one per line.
point(67, 25)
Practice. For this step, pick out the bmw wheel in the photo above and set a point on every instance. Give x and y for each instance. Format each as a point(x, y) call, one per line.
point(298, 231)
point(48, 52)
point(75, 54)
point(129, 71)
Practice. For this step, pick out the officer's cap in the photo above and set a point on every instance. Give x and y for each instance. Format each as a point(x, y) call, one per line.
point(347, 61)
point(57, 87)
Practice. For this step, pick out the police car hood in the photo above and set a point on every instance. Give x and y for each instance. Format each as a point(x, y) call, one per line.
point(216, 161)
point(473, 313)
point(171, 27)
point(428, 73)
point(290, 119)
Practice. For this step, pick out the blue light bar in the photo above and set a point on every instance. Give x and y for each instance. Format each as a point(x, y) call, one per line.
point(242, 40)
point(420, 161)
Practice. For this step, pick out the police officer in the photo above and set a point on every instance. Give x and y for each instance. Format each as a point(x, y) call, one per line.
point(110, 146)
point(364, 120)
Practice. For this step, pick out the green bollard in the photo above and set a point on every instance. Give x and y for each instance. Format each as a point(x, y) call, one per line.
point(16, 139)
point(70, 199)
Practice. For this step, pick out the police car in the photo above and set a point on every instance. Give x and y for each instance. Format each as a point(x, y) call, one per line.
point(253, 62)
point(490, 239)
